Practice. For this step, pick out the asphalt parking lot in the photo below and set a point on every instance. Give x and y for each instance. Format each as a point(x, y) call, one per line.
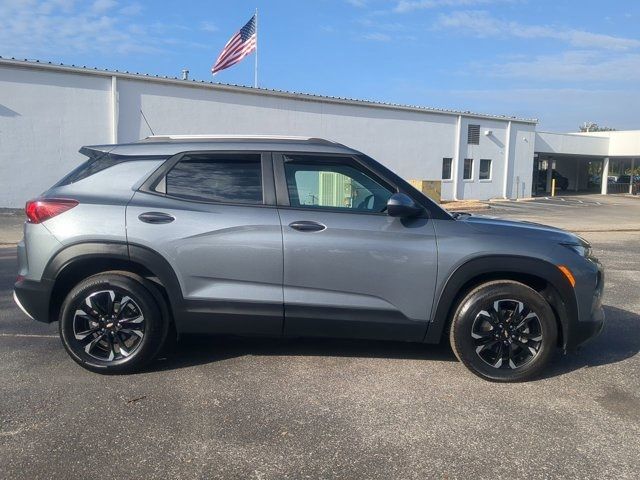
point(580, 213)
point(233, 408)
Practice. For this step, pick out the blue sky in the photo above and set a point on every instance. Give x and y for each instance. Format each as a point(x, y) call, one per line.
point(562, 61)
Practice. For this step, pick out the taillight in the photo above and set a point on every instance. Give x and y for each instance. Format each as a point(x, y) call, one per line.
point(39, 210)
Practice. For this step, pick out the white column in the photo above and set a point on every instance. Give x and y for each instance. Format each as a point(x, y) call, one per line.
point(604, 183)
point(507, 153)
point(456, 159)
point(631, 177)
point(114, 109)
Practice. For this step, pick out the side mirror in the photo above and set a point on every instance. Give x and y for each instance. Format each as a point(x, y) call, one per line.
point(402, 205)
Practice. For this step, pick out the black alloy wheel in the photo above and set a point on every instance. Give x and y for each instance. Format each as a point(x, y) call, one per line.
point(507, 334)
point(504, 331)
point(109, 325)
point(113, 322)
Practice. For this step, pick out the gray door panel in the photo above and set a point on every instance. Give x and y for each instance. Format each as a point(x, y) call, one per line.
point(228, 260)
point(364, 275)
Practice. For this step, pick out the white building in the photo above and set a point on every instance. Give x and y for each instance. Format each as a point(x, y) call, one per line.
point(47, 112)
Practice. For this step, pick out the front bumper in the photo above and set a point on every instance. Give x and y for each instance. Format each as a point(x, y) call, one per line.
point(33, 299)
point(587, 331)
point(589, 326)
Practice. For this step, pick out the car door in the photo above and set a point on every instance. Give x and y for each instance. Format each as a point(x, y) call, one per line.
point(212, 216)
point(349, 268)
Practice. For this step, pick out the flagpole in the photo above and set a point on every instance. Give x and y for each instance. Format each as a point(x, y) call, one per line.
point(255, 68)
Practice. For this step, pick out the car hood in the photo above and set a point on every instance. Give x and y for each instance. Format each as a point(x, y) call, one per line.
point(518, 227)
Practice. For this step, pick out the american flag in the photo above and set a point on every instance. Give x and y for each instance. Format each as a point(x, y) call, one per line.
point(238, 47)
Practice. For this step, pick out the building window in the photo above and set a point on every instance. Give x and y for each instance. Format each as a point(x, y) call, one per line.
point(485, 169)
point(467, 174)
point(446, 168)
point(473, 135)
point(217, 178)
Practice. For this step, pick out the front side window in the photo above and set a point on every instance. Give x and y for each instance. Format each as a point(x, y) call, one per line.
point(216, 178)
point(446, 168)
point(467, 174)
point(334, 183)
point(485, 169)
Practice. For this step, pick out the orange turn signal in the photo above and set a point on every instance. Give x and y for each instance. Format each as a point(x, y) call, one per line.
point(568, 274)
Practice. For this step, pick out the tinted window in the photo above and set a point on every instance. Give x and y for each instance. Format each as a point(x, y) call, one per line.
point(335, 183)
point(95, 165)
point(446, 169)
point(485, 169)
point(468, 169)
point(225, 179)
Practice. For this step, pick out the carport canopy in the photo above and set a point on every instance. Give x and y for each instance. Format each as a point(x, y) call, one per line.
point(580, 161)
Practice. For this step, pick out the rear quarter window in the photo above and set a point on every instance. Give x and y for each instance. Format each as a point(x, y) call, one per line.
point(98, 164)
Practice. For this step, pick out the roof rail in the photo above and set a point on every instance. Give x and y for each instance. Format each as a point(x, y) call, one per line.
point(183, 138)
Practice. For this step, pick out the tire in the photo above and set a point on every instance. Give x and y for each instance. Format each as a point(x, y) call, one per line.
point(113, 323)
point(504, 331)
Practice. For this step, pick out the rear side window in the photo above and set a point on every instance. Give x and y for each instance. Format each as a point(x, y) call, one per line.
point(98, 164)
point(90, 167)
point(217, 178)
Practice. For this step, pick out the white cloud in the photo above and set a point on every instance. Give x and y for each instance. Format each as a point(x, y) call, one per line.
point(404, 6)
point(131, 9)
point(208, 27)
point(482, 24)
point(577, 67)
point(377, 37)
point(34, 28)
point(102, 6)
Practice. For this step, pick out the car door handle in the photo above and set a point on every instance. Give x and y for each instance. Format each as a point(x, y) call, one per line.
point(156, 217)
point(307, 226)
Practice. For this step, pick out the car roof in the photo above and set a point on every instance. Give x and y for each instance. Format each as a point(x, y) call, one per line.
point(173, 144)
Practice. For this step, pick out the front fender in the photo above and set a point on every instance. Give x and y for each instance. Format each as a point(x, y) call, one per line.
point(559, 292)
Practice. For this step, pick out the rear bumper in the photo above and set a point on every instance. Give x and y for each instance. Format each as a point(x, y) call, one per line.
point(33, 299)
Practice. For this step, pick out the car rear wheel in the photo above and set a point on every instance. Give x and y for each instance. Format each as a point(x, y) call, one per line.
point(504, 331)
point(112, 323)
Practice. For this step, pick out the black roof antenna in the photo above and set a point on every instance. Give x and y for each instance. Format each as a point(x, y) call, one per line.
point(147, 122)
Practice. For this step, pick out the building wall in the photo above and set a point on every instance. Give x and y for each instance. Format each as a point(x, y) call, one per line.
point(44, 119)
point(621, 143)
point(523, 144)
point(572, 144)
point(46, 116)
point(410, 143)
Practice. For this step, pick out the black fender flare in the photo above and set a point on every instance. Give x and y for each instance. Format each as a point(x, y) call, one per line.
point(560, 293)
point(150, 260)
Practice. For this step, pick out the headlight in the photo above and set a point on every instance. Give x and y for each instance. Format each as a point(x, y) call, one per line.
point(584, 250)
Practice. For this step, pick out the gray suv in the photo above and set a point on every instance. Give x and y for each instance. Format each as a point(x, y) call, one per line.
point(290, 237)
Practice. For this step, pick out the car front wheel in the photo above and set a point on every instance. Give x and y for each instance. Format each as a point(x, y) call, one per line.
point(504, 331)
